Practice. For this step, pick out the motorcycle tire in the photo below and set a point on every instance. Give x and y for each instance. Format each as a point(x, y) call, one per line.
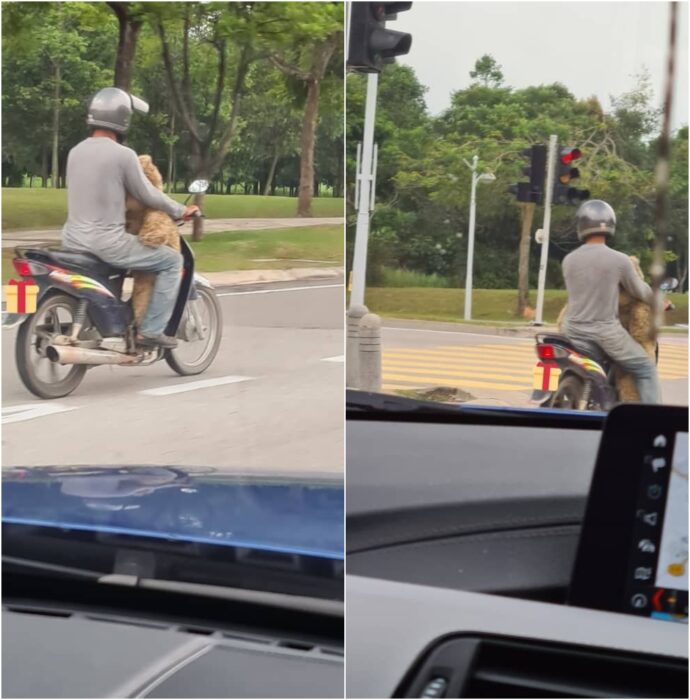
point(173, 357)
point(25, 346)
point(568, 394)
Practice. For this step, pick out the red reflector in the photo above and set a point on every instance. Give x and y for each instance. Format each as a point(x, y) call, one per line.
point(546, 352)
point(22, 267)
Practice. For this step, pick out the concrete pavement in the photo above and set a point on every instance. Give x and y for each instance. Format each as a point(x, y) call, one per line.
point(10, 239)
point(272, 400)
point(491, 368)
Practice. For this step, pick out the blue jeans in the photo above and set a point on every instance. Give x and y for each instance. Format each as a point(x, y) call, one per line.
point(126, 252)
point(616, 343)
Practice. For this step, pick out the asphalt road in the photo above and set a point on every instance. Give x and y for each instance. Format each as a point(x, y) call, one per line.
point(494, 369)
point(274, 403)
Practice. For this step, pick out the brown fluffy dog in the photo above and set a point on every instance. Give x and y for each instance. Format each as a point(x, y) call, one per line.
point(637, 318)
point(154, 228)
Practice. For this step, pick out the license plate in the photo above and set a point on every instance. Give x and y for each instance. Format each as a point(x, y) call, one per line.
point(546, 376)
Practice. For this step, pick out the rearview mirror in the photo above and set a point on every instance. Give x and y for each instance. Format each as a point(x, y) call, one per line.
point(198, 186)
point(669, 284)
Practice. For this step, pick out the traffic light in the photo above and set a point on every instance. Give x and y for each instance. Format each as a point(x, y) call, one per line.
point(532, 191)
point(563, 193)
point(371, 44)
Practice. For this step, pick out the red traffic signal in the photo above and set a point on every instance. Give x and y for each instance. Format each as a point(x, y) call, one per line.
point(568, 155)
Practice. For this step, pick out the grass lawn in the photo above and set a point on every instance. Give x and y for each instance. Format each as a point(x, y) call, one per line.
point(274, 248)
point(434, 304)
point(247, 250)
point(36, 208)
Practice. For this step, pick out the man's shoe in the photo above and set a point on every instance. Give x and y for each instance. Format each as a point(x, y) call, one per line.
point(156, 341)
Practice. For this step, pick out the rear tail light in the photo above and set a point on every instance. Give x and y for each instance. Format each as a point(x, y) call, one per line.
point(550, 352)
point(29, 268)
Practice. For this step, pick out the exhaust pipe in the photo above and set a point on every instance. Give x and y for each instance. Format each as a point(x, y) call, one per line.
point(69, 355)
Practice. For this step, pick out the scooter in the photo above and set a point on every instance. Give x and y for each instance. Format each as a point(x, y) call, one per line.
point(566, 377)
point(81, 320)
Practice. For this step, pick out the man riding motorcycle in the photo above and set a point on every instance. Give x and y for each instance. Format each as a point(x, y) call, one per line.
point(100, 173)
point(593, 274)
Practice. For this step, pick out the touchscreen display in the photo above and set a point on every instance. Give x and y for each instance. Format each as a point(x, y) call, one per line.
point(658, 572)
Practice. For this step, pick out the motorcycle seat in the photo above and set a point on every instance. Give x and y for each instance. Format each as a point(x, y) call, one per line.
point(85, 261)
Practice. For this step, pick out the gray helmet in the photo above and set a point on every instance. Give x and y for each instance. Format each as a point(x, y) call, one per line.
point(595, 216)
point(111, 108)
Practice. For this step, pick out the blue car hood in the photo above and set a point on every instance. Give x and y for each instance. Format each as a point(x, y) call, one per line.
point(273, 513)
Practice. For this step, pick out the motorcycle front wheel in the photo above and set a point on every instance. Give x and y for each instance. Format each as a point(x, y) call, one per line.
point(200, 333)
point(41, 376)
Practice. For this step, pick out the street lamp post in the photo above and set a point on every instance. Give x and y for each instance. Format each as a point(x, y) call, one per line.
point(484, 177)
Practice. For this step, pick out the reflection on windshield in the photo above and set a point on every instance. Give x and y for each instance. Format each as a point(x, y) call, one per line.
point(262, 513)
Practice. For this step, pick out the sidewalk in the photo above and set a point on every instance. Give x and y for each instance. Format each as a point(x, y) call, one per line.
point(10, 239)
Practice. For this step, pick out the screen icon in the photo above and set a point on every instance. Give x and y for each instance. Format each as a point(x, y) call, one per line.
point(660, 441)
point(639, 601)
point(654, 491)
point(656, 463)
point(650, 518)
point(643, 573)
point(646, 546)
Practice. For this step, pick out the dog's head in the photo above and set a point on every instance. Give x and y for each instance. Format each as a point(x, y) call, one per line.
point(151, 171)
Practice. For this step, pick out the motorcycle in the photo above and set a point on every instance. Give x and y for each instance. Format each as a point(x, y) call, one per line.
point(567, 377)
point(81, 320)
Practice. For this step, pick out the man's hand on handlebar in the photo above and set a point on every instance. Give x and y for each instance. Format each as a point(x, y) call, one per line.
point(190, 212)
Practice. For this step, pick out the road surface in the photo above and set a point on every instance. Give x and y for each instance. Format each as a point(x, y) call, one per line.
point(492, 368)
point(273, 399)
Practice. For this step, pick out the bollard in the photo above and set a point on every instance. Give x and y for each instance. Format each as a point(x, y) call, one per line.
point(354, 316)
point(370, 353)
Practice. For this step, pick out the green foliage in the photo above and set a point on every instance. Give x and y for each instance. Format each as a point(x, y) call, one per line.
point(423, 180)
point(83, 37)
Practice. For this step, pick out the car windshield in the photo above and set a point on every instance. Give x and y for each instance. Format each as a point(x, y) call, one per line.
point(500, 123)
point(172, 366)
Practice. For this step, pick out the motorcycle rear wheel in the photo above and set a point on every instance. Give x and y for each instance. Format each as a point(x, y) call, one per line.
point(568, 394)
point(29, 353)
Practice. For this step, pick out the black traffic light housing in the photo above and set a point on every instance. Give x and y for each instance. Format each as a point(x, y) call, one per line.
point(563, 193)
point(532, 191)
point(371, 44)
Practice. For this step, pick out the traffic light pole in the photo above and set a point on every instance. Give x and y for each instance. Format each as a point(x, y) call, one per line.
point(365, 179)
point(548, 196)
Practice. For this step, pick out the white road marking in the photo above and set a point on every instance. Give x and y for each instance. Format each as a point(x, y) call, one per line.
point(193, 386)
point(339, 358)
point(277, 291)
point(29, 411)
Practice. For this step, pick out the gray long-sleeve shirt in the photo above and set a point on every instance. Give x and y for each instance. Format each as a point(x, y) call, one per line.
point(100, 173)
point(593, 275)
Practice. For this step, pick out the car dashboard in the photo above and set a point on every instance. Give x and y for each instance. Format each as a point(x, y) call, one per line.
point(462, 540)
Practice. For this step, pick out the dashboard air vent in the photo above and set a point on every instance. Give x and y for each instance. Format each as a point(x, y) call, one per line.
point(500, 667)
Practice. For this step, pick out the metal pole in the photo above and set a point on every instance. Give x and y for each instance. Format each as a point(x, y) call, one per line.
point(470, 242)
point(550, 169)
point(359, 263)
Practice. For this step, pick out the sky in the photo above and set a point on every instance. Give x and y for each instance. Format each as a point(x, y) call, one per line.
point(592, 47)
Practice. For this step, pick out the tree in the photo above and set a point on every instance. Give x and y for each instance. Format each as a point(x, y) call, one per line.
point(229, 34)
point(487, 71)
point(129, 21)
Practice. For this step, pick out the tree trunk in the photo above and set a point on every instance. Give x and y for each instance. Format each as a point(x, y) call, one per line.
point(271, 174)
point(339, 176)
point(171, 152)
point(527, 215)
point(44, 166)
point(54, 171)
point(126, 46)
point(197, 221)
point(306, 162)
